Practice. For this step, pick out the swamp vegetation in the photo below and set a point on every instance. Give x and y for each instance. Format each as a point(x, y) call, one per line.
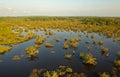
point(73, 42)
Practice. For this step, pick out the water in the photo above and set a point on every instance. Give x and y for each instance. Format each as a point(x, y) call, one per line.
point(23, 68)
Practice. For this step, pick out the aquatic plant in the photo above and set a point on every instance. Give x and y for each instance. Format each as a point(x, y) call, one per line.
point(48, 44)
point(4, 49)
point(46, 33)
point(65, 46)
point(34, 73)
point(49, 32)
point(68, 56)
point(76, 75)
point(71, 40)
point(29, 36)
point(39, 40)
point(104, 74)
point(52, 74)
point(89, 59)
point(100, 42)
point(104, 49)
point(62, 71)
point(16, 57)
point(59, 24)
point(82, 55)
point(31, 51)
point(109, 34)
point(117, 63)
point(69, 70)
point(53, 52)
point(37, 46)
point(57, 39)
point(74, 44)
point(62, 67)
point(77, 39)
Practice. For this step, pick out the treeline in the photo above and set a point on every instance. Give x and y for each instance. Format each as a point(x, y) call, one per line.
point(83, 20)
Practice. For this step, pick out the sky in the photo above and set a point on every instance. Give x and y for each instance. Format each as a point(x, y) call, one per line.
point(60, 8)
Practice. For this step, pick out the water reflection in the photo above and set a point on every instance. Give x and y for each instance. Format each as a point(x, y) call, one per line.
point(46, 59)
point(32, 58)
point(89, 66)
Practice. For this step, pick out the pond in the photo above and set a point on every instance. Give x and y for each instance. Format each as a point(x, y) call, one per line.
point(46, 59)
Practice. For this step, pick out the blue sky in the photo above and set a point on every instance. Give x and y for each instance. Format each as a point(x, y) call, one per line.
point(59, 7)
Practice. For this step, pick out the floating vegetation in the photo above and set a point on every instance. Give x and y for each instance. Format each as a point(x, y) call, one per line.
point(82, 55)
point(62, 67)
point(31, 51)
point(29, 36)
point(53, 52)
point(65, 46)
point(89, 59)
point(34, 73)
point(69, 70)
point(103, 49)
point(117, 63)
point(68, 56)
point(73, 42)
point(62, 71)
point(100, 42)
point(37, 46)
point(39, 39)
point(48, 44)
point(57, 39)
point(16, 57)
point(49, 32)
point(104, 74)
point(4, 49)
point(76, 75)
point(52, 74)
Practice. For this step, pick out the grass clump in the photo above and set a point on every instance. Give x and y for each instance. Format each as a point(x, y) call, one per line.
point(4, 49)
point(68, 56)
point(31, 51)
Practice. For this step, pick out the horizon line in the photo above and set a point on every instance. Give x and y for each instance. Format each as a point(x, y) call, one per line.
point(55, 16)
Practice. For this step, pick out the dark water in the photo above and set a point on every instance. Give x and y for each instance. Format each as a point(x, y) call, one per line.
point(23, 68)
